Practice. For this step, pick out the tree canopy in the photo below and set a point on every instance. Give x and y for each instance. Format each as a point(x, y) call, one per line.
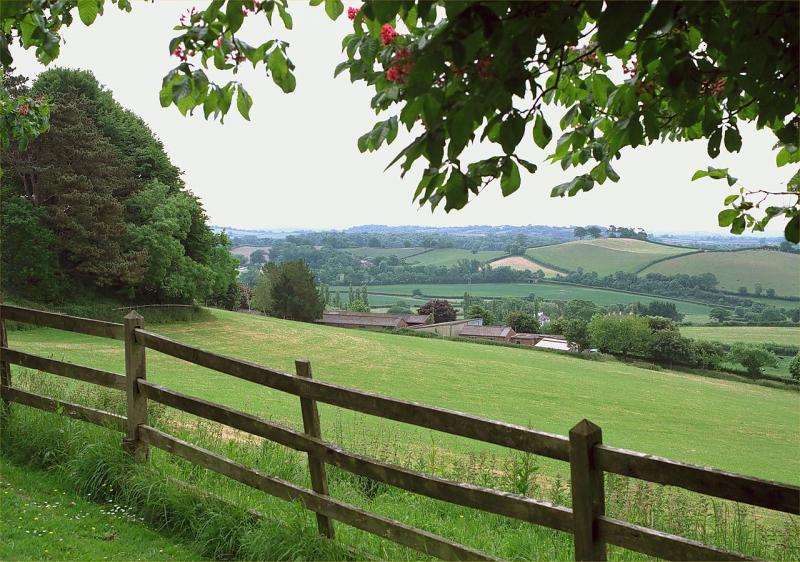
point(95, 203)
point(623, 74)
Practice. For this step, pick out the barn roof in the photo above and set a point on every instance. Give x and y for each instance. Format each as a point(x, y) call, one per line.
point(416, 318)
point(487, 331)
point(362, 319)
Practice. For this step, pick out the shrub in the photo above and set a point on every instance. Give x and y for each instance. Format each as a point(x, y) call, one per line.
point(794, 367)
point(753, 357)
point(707, 354)
point(441, 309)
point(576, 331)
point(620, 335)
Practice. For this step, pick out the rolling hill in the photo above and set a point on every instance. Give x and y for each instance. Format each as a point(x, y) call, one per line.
point(369, 252)
point(603, 255)
point(734, 426)
point(773, 270)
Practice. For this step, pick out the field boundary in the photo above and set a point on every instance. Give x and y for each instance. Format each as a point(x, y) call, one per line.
point(588, 457)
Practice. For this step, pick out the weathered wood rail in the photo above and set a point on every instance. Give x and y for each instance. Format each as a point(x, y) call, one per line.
point(588, 457)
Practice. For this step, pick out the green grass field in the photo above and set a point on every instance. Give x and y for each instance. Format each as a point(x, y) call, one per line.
point(44, 520)
point(451, 256)
point(366, 252)
point(774, 270)
point(603, 255)
point(549, 291)
point(748, 334)
point(734, 426)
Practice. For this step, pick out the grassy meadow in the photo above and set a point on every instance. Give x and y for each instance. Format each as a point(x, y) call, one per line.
point(45, 520)
point(604, 255)
point(550, 291)
point(784, 335)
point(734, 426)
point(451, 256)
point(773, 270)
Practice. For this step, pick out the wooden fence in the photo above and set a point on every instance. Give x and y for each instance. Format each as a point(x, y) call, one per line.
point(583, 449)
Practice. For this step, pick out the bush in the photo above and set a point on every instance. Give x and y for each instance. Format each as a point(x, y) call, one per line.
point(576, 331)
point(794, 367)
point(441, 309)
point(707, 354)
point(753, 357)
point(620, 335)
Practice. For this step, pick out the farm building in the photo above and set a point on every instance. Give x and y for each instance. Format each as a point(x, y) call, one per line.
point(368, 320)
point(493, 333)
point(409, 319)
point(418, 319)
point(523, 338)
point(447, 329)
point(553, 342)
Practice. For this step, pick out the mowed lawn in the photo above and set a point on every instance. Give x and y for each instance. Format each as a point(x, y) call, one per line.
point(784, 335)
point(773, 270)
point(548, 291)
point(735, 426)
point(604, 255)
point(43, 520)
point(451, 256)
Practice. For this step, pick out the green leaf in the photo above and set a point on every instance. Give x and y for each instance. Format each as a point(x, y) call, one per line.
point(277, 65)
point(234, 14)
point(792, 230)
point(618, 21)
point(286, 17)
point(730, 199)
point(334, 8)
point(88, 10)
point(165, 95)
point(713, 143)
point(733, 140)
point(459, 127)
point(542, 134)
point(699, 174)
point(243, 102)
point(727, 216)
point(510, 180)
point(511, 132)
point(600, 88)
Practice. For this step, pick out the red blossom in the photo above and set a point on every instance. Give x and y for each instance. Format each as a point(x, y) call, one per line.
point(352, 12)
point(394, 74)
point(388, 34)
point(24, 109)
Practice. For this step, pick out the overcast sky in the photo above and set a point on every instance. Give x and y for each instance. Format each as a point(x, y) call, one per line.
point(296, 164)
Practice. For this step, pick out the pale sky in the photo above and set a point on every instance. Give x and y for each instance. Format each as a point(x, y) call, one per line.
point(296, 164)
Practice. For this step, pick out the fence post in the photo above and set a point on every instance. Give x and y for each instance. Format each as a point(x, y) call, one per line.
point(137, 402)
point(5, 370)
point(316, 466)
point(588, 495)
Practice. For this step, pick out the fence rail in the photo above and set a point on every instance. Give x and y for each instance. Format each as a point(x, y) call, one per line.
point(589, 458)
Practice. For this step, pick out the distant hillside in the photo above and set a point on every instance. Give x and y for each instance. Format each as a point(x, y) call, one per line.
point(451, 256)
point(603, 255)
point(773, 270)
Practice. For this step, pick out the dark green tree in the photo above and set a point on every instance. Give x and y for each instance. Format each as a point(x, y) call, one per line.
point(294, 292)
point(523, 322)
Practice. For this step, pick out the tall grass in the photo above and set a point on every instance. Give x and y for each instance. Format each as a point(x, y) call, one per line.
point(223, 525)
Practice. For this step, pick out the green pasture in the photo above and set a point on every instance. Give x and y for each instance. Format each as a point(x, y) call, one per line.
point(549, 291)
point(784, 335)
point(734, 426)
point(772, 269)
point(604, 255)
point(451, 256)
